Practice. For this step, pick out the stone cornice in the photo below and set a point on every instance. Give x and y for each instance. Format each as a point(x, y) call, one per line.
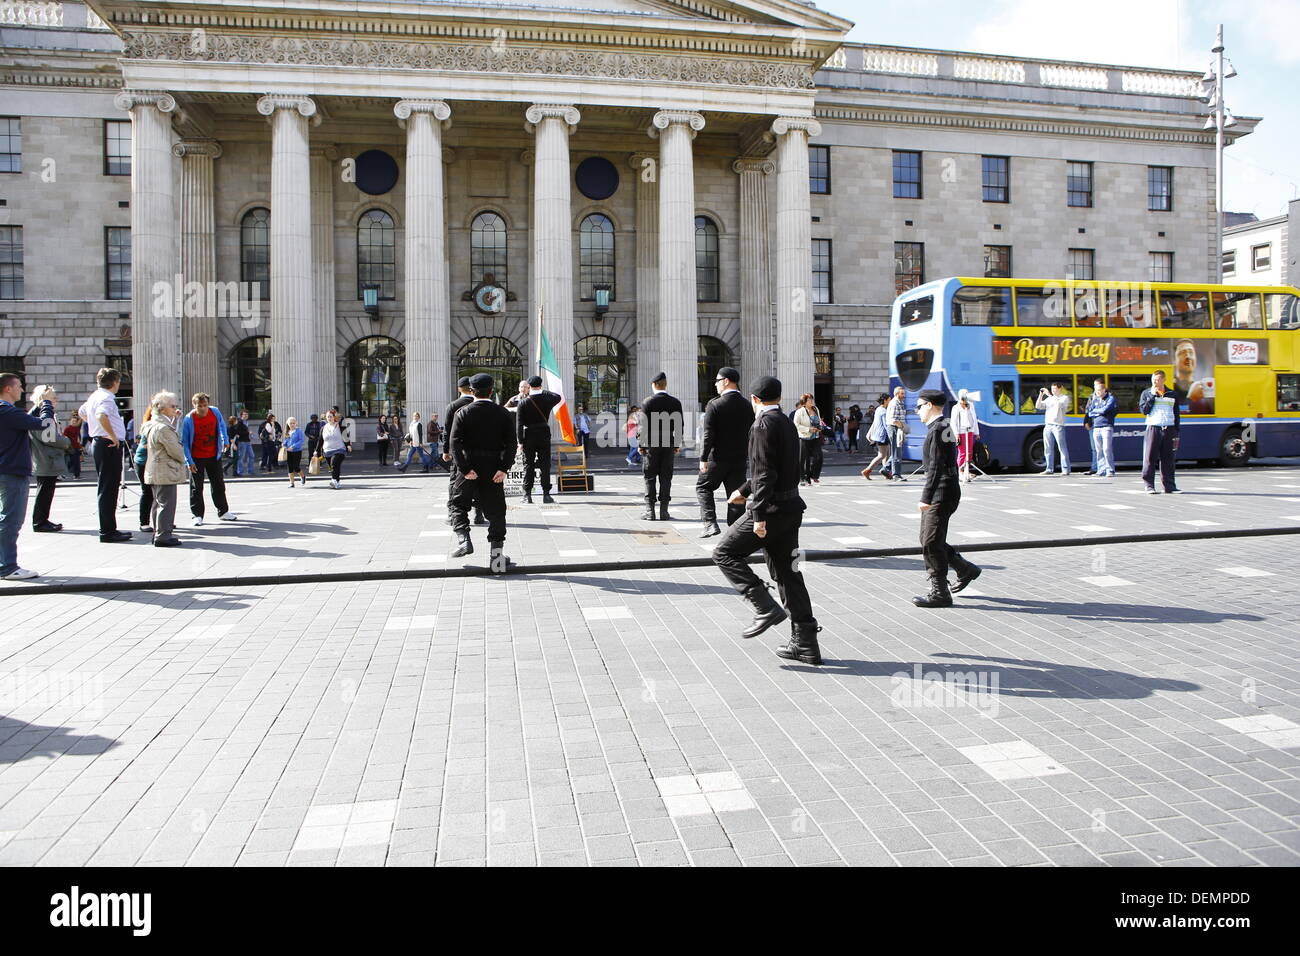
point(467, 57)
point(94, 81)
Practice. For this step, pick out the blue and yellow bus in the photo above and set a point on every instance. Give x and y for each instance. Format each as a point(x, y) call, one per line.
point(1232, 354)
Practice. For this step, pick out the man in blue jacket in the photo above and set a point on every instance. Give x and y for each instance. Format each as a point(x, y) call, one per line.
point(204, 439)
point(16, 427)
point(1099, 416)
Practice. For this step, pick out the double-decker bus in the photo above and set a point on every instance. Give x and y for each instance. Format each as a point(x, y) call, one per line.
point(1231, 354)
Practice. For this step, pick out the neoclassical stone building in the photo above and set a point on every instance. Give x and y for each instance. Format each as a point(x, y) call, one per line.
point(350, 203)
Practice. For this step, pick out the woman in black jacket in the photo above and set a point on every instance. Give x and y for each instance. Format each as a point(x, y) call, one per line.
point(270, 433)
point(382, 443)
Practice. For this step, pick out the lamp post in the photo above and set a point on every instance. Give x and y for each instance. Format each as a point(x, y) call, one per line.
point(1220, 118)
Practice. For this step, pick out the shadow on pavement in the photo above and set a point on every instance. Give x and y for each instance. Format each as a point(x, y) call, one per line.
point(46, 741)
point(1102, 611)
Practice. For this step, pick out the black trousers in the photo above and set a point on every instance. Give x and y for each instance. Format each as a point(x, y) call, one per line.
point(1158, 452)
point(484, 493)
point(729, 474)
point(146, 501)
point(381, 446)
point(44, 499)
point(336, 465)
point(211, 468)
point(657, 469)
point(780, 547)
point(108, 462)
point(810, 458)
point(938, 553)
point(537, 455)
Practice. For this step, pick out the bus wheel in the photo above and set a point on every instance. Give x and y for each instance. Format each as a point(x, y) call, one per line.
point(1034, 455)
point(1233, 448)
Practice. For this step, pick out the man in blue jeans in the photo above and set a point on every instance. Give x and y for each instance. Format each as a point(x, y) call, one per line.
point(16, 427)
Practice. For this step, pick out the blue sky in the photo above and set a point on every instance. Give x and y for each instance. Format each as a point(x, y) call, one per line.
point(1261, 37)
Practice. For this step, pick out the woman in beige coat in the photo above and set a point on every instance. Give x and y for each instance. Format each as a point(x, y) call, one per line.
point(165, 466)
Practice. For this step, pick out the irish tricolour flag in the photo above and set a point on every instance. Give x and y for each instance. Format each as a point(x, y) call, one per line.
point(551, 381)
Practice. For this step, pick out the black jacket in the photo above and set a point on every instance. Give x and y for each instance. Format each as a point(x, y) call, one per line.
point(456, 406)
point(1147, 401)
point(482, 438)
point(773, 485)
point(533, 413)
point(939, 457)
point(724, 435)
point(659, 424)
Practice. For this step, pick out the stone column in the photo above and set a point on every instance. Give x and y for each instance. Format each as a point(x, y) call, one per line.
point(794, 316)
point(200, 367)
point(155, 324)
point(294, 374)
point(646, 167)
point(324, 350)
point(755, 301)
point(550, 125)
point(428, 310)
point(679, 327)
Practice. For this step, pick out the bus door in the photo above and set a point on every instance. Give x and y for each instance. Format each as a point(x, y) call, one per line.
point(1246, 386)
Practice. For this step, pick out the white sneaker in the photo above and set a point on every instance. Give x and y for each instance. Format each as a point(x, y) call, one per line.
point(197, 523)
point(229, 516)
point(20, 574)
point(334, 484)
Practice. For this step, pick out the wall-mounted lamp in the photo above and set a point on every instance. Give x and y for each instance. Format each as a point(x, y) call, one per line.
point(370, 298)
point(602, 300)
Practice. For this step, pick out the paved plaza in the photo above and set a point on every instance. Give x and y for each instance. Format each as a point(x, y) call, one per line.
point(1129, 704)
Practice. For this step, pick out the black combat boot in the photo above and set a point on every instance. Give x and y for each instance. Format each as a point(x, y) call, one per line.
point(528, 497)
point(663, 511)
point(710, 529)
point(547, 499)
point(649, 513)
point(767, 612)
point(803, 645)
point(966, 573)
point(464, 546)
point(938, 595)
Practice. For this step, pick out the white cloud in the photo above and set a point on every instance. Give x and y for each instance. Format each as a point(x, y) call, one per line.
point(1123, 32)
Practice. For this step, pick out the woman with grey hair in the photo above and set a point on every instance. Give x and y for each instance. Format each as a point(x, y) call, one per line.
point(165, 466)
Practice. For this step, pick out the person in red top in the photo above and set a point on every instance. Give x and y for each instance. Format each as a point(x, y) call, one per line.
point(73, 431)
point(204, 440)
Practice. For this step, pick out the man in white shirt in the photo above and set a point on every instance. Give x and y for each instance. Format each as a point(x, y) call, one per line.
point(107, 432)
point(1054, 406)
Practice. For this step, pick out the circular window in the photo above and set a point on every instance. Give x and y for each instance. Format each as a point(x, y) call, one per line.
point(376, 172)
point(596, 177)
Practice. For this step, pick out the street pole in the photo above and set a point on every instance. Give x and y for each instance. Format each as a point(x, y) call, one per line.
point(1217, 270)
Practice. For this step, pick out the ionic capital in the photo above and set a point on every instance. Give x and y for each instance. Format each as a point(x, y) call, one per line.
point(764, 167)
point(271, 102)
point(438, 109)
point(197, 147)
point(130, 99)
point(694, 122)
point(787, 124)
point(561, 111)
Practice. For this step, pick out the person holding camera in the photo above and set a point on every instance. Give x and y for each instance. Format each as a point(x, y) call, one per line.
point(1054, 405)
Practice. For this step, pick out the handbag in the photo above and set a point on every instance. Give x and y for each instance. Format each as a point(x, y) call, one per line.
point(314, 467)
point(283, 454)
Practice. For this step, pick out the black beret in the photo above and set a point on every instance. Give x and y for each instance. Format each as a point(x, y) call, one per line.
point(766, 388)
point(935, 397)
point(463, 382)
point(481, 381)
point(661, 377)
point(730, 373)
point(535, 381)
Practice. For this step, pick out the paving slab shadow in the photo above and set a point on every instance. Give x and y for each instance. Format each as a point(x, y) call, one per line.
point(20, 740)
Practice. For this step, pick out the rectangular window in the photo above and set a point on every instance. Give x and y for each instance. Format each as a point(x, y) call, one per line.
point(909, 266)
point(1230, 262)
point(1162, 267)
point(822, 266)
point(117, 147)
point(997, 178)
point(117, 262)
point(819, 170)
point(121, 363)
point(907, 175)
point(1282, 310)
point(997, 262)
point(1127, 389)
point(916, 310)
point(11, 262)
point(1184, 310)
point(1238, 310)
point(1042, 307)
point(1288, 393)
point(1160, 188)
point(981, 305)
point(1081, 264)
point(1078, 184)
point(1261, 257)
point(1088, 308)
point(11, 144)
point(1031, 389)
point(1131, 308)
point(1004, 397)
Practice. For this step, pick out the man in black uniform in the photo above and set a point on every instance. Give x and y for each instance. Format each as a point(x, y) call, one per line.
point(773, 514)
point(659, 435)
point(483, 445)
point(939, 499)
point(466, 396)
point(534, 436)
point(724, 441)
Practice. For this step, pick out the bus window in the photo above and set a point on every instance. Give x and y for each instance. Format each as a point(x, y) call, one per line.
point(1088, 309)
point(1083, 391)
point(1283, 311)
point(981, 305)
point(1130, 308)
point(1237, 310)
point(1288, 393)
point(1004, 396)
point(1031, 387)
point(1042, 307)
point(1127, 389)
point(916, 310)
point(1184, 310)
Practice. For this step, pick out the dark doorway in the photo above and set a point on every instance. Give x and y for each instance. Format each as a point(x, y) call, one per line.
point(824, 384)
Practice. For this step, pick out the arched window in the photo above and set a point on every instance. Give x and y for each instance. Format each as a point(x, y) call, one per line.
point(706, 260)
point(487, 250)
point(600, 374)
point(595, 256)
point(250, 376)
point(377, 253)
point(374, 377)
point(714, 355)
point(497, 356)
point(255, 251)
